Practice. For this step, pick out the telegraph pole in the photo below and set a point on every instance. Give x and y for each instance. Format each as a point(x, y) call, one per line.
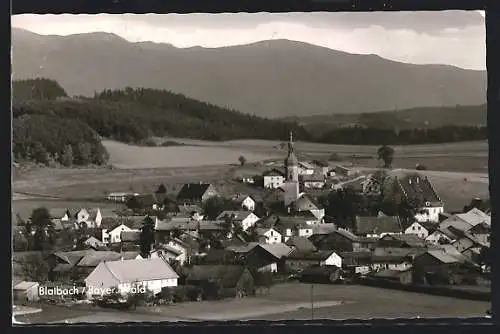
point(312, 301)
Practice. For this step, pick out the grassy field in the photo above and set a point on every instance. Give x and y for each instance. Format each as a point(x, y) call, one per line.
point(135, 157)
point(291, 301)
point(142, 169)
point(464, 157)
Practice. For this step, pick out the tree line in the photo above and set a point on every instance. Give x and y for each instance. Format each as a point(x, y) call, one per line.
point(54, 140)
point(358, 135)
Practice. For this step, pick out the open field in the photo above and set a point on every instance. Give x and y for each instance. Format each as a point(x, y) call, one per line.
point(147, 167)
point(290, 301)
point(472, 155)
point(135, 157)
point(456, 189)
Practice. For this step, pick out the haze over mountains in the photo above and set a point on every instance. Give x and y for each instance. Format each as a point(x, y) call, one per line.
point(277, 78)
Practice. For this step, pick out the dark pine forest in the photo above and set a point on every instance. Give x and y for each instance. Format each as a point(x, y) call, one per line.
point(50, 127)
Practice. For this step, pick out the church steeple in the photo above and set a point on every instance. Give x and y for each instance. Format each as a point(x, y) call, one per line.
point(291, 162)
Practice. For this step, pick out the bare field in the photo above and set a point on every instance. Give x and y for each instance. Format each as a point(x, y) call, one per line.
point(135, 157)
point(465, 157)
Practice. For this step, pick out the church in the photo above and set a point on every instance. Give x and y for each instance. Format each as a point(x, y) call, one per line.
point(291, 186)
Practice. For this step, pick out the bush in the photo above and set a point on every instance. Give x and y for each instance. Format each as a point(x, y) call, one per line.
point(335, 157)
point(420, 167)
point(150, 142)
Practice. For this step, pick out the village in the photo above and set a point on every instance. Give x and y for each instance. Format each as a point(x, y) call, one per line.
point(301, 221)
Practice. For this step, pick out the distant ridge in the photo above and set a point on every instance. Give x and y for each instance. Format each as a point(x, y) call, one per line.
point(276, 78)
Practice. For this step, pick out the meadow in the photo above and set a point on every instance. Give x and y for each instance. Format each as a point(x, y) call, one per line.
point(142, 169)
point(329, 301)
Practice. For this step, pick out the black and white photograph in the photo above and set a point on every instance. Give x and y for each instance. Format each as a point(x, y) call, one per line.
point(249, 166)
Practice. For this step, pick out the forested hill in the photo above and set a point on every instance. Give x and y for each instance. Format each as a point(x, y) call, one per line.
point(132, 115)
point(51, 128)
point(128, 115)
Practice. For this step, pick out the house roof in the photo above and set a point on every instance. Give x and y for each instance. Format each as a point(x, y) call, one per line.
point(305, 203)
point(356, 184)
point(239, 198)
point(390, 258)
point(73, 257)
point(63, 267)
point(193, 191)
point(442, 256)
point(228, 275)
point(262, 231)
point(218, 255)
point(475, 217)
point(58, 213)
point(378, 225)
point(312, 256)
point(242, 248)
point(346, 234)
point(93, 259)
point(189, 209)
point(307, 165)
point(274, 172)
point(94, 240)
point(277, 250)
point(313, 178)
point(301, 243)
point(419, 188)
point(323, 228)
point(237, 215)
point(388, 273)
point(129, 255)
point(25, 285)
point(429, 226)
point(130, 236)
point(411, 240)
point(138, 270)
point(455, 222)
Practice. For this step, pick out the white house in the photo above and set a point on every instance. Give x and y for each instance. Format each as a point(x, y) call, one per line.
point(114, 235)
point(94, 242)
point(438, 237)
point(417, 187)
point(245, 202)
point(313, 181)
point(92, 218)
point(120, 197)
point(305, 204)
point(300, 230)
point(245, 219)
point(418, 229)
point(300, 260)
point(399, 263)
point(273, 179)
point(124, 275)
point(168, 253)
point(306, 168)
point(271, 235)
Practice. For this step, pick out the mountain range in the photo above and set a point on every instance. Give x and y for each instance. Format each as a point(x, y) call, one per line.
point(275, 78)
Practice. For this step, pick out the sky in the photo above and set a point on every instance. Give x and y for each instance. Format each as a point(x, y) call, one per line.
point(449, 37)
